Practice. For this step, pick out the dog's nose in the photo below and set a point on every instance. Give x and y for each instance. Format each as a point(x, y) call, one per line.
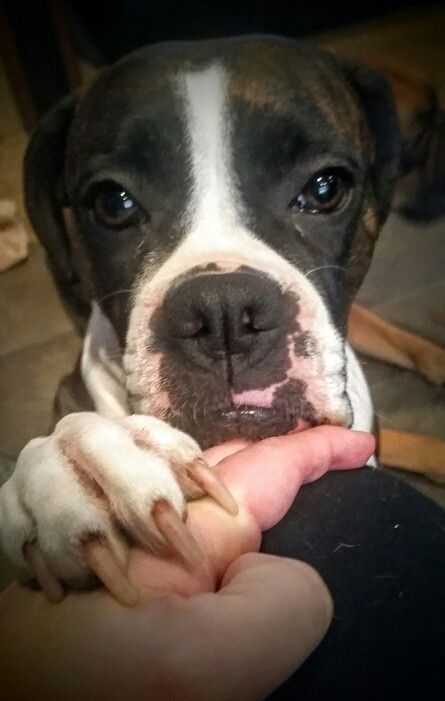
point(215, 316)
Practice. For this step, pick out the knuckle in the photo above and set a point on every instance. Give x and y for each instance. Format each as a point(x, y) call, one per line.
point(75, 420)
point(86, 427)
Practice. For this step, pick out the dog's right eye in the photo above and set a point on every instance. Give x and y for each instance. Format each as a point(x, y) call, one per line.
point(114, 207)
point(325, 192)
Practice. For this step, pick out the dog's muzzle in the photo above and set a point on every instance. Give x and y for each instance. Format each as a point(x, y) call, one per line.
point(229, 353)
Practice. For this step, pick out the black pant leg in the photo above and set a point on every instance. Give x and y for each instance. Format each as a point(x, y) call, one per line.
point(380, 547)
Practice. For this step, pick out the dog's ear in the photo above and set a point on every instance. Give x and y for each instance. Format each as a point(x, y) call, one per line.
point(421, 188)
point(46, 201)
point(420, 192)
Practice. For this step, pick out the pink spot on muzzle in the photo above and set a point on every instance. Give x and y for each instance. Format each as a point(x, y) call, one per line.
point(255, 397)
point(307, 370)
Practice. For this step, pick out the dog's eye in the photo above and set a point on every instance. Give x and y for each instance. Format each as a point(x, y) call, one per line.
point(115, 207)
point(325, 192)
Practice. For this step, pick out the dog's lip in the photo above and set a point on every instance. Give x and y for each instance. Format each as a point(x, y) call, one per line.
point(247, 413)
point(222, 423)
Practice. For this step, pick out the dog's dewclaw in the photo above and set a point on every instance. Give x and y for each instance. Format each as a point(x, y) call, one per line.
point(105, 566)
point(47, 582)
point(176, 533)
point(206, 478)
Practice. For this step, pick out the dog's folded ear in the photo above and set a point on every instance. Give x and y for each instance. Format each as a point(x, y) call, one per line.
point(420, 192)
point(46, 202)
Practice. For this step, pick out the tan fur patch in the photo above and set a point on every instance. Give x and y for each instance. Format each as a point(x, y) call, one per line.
point(256, 93)
point(370, 221)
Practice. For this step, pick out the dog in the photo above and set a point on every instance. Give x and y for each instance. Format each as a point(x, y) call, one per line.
point(209, 210)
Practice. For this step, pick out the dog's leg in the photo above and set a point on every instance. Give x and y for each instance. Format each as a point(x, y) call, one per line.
point(371, 335)
point(413, 453)
point(375, 337)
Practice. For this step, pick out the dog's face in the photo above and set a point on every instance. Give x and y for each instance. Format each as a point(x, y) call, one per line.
point(224, 200)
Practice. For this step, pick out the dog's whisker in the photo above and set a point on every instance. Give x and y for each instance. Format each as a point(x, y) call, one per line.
point(114, 294)
point(325, 267)
point(139, 247)
point(382, 417)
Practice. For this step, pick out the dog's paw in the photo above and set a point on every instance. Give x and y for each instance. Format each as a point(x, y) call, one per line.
point(77, 497)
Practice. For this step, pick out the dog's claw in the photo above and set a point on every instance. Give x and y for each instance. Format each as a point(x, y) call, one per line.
point(106, 567)
point(175, 532)
point(47, 582)
point(206, 478)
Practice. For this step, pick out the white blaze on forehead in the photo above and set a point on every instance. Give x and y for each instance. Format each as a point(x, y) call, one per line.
point(216, 232)
point(204, 93)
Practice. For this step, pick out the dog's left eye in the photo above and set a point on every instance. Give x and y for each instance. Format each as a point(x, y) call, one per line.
point(114, 206)
point(325, 192)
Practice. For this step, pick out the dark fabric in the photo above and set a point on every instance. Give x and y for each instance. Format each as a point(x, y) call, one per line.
point(380, 547)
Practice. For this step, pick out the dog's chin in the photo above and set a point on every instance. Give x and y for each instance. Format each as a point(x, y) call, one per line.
point(250, 422)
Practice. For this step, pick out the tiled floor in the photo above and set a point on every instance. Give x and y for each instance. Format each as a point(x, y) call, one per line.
point(406, 283)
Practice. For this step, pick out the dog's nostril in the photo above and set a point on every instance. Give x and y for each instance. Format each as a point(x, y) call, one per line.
point(248, 321)
point(258, 318)
point(193, 328)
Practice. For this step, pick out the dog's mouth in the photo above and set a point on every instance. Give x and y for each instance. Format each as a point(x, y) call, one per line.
point(217, 425)
point(245, 416)
point(213, 412)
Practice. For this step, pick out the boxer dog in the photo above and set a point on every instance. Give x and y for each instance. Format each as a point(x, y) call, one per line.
point(209, 210)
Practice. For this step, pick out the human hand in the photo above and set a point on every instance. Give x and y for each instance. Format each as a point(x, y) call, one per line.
point(238, 624)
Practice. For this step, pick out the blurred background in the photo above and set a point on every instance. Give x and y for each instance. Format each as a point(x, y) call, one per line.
point(49, 48)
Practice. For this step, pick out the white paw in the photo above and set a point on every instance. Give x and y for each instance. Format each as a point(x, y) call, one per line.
point(101, 479)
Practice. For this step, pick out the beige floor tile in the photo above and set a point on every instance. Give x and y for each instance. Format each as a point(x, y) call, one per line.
point(28, 383)
point(30, 309)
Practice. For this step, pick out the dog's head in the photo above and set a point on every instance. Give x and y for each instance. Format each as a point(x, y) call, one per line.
point(221, 201)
